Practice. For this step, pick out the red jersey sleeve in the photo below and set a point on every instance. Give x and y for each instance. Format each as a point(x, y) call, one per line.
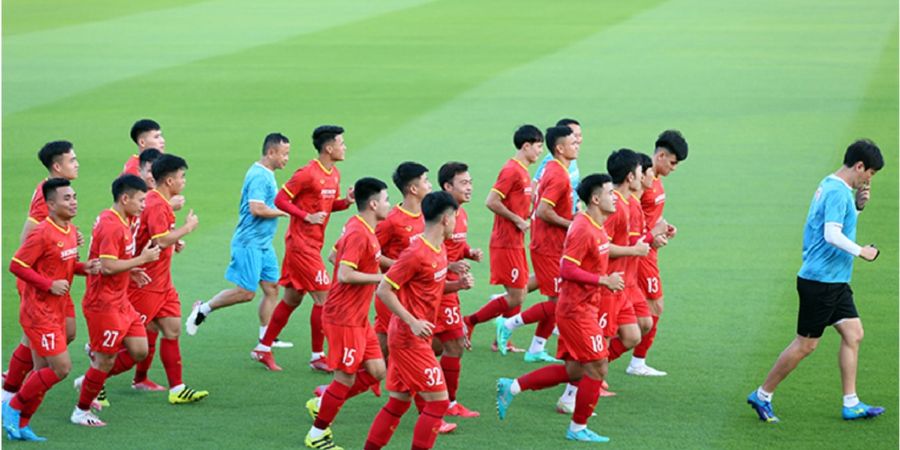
point(111, 243)
point(403, 271)
point(295, 185)
point(553, 189)
point(578, 245)
point(354, 244)
point(30, 251)
point(615, 225)
point(505, 183)
point(157, 221)
point(38, 210)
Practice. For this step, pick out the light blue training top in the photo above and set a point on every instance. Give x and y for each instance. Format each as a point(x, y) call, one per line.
point(823, 262)
point(252, 231)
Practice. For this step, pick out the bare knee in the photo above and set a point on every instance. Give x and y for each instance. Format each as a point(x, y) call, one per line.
point(378, 372)
point(62, 369)
point(453, 349)
point(807, 346)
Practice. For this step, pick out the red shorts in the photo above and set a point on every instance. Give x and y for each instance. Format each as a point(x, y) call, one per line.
point(151, 304)
point(615, 310)
point(414, 370)
point(509, 267)
point(382, 316)
point(546, 270)
point(108, 330)
point(349, 347)
point(648, 277)
point(449, 324)
point(47, 340)
point(70, 307)
point(580, 339)
point(303, 270)
point(636, 296)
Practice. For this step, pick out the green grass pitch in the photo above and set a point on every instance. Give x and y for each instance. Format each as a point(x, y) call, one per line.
point(768, 94)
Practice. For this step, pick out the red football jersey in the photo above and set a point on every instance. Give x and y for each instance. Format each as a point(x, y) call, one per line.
point(418, 276)
point(157, 220)
point(348, 304)
point(132, 166)
point(636, 232)
point(457, 247)
point(653, 201)
point(111, 238)
point(37, 212)
point(311, 188)
point(396, 232)
point(52, 252)
point(618, 227)
point(513, 185)
point(587, 245)
point(555, 189)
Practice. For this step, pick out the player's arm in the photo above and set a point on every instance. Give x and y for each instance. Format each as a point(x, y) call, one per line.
point(495, 204)
point(283, 202)
point(835, 211)
point(348, 274)
point(111, 264)
point(384, 232)
point(465, 281)
point(386, 292)
point(22, 266)
point(640, 249)
point(259, 209)
point(343, 203)
point(546, 213)
point(168, 238)
point(356, 249)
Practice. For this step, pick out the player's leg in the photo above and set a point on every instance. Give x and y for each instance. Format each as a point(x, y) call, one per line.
point(629, 336)
point(170, 353)
point(509, 268)
point(586, 401)
point(71, 329)
point(387, 419)
point(426, 430)
point(228, 297)
point(317, 335)
point(245, 271)
point(851, 331)
point(267, 305)
point(141, 382)
point(280, 316)
point(51, 365)
point(20, 364)
point(546, 322)
point(451, 364)
point(543, 378)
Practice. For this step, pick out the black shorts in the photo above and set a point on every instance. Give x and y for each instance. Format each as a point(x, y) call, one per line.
point(822, 305)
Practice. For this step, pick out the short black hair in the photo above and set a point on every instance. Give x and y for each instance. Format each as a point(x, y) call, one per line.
point(436, 204)
point(167, 164)
point(554, 134)
point(865, 151)
point(566, 122)
point(590, 184)
point(127, 184)
point(149, 155)
point(366, 188)
point(620, 163)
point(142, 126)
point(646, 162)
point(51, 185)
point(325, 134)
point(527, 134)
point(674, 142)
point(273, 139)
point(449, 170)
point(407, 172)
point(52, 150)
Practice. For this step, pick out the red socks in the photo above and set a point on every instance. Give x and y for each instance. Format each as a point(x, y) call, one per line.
point(123, 363)
point(315, 329)
point(140, 372)
point(332, 400)
point(546, 325)
point(29, 398)
point(586, 399)
point(616, 349)
point(279, 319)
point(170, 354)
point(640, 351)
point(512, 312)
point(19, 366)
point(544, 377)
point(451, 366)
point(385, 423)
point(490, 310)
point(364, 380)
point(90, 387)
point(426, 430)
point(539, 311)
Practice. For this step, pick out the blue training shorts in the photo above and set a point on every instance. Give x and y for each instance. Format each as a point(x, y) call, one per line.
point(250, 265)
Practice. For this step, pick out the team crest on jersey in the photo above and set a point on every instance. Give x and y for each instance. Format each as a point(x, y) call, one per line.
point(60, 244)
point(321, 181)
point(408, 228)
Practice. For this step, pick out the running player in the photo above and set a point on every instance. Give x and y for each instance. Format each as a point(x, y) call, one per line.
point(510, 200)
point(449, 330)
point(60, 160)
point(554, 211)
point(253, 260)
point(412, 289)
point(117, 336)
point(823, 282)
point(670, 150)
point(157, 302)
point(309, 197)
point(145, 170)
point(584, 270)
point(355, 353)
point(574, 174)
point(146, 134)
point(398, 231)
point(46, 263)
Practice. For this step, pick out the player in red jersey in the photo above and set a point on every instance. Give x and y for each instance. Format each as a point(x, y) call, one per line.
point(449, 329)
point(670, 149)
point(46, 262)
point(117, 336)
point(584, 271)
point(310, 196)
point(355, 353)
point(146, 134)
point(412, 289)
point(402, 225)
point(510, 201)
point(60, 160)
point(157, 302)
point(146, 166)
point(553, 212)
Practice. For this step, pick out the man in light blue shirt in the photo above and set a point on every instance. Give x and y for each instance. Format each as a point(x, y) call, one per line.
point(574, 174)
point(823, 282)
point(253, 260)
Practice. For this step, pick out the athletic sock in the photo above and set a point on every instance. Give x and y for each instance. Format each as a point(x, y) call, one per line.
point(141, 369)
point(315, 329)
point(514, 322)
point(851, 400)
point(543, 378)
point(568, 395)
point(426, 429)
point(574, 427)
point(206, 309)
point(538, 311)
point(546, 325)
point(385, 423)
point(332, 401)
point(316, 355)
point(280, 316)
point(586, 399)
point(262, 331)
point(364, 381)
point(490, 310)
point(763, 395)
point(123, 363)
point(170, 354)
point(643, 347)
point(637, 362)
point(537, 344)
point(512, 311)
point(19, 365)
point(90, 387)
point(451, 366)
point(29, 398)
point(616, 349)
